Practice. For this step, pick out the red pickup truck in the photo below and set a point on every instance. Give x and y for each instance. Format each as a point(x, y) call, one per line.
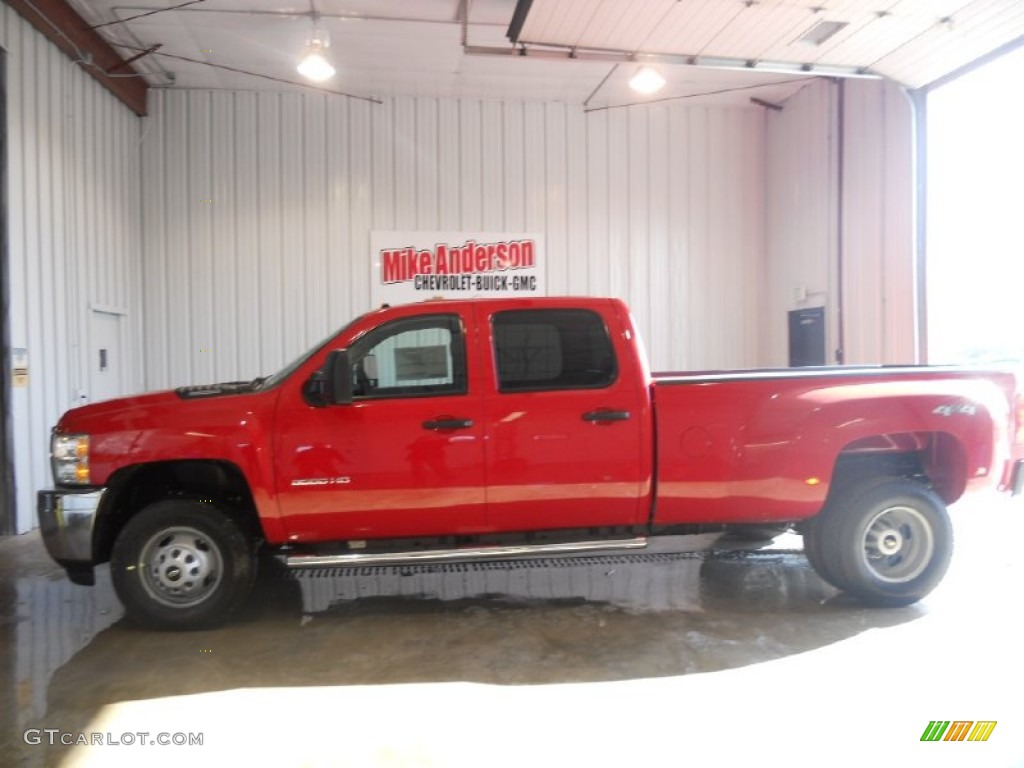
point(468, 430)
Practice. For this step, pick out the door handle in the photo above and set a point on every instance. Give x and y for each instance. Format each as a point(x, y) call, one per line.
point(605, 416)
point(448, 423)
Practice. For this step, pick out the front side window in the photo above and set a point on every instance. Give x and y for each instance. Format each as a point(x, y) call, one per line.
point(412, 357)
point(548, 349)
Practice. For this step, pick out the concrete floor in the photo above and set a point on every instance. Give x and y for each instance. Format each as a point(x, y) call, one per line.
point(748, 658)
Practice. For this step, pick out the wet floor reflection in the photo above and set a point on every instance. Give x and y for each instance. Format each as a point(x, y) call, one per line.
point(651, 582)
point(557, 621)
point(666, 577)
point(44, 622)
point(67, 654)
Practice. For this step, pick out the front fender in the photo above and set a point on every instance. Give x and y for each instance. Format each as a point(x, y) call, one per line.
point(235, 430)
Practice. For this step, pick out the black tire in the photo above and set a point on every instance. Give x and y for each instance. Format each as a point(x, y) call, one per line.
point(887, 542)
point(181, 565)
point(815, 530)
point(813, 551)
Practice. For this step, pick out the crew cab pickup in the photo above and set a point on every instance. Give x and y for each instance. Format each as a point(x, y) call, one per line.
point(503, 428)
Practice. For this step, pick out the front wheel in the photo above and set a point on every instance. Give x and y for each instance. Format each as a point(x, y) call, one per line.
point(888, 542)
point(181, 565)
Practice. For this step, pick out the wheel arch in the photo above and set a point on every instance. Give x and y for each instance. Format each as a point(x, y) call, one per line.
point(132, 488)
point(937, 459)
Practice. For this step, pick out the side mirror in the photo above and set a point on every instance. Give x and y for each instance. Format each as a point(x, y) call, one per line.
point(339, 377)
point(314, 391)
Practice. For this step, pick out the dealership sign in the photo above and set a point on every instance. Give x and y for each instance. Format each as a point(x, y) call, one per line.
point(413, 266)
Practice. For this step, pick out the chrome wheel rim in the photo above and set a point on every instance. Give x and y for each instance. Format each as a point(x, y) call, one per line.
point(181, 567)
point(898, 544)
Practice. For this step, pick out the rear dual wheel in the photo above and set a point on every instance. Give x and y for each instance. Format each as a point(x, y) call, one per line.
point(888, 542)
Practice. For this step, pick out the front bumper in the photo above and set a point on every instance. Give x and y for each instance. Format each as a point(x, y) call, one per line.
point(66, 520)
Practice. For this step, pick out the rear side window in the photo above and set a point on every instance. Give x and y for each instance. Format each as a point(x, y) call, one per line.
point(543, 349)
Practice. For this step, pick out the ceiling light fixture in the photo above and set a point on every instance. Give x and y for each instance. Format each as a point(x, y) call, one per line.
point(315, 65)
point(822, 31)
point(647, 80)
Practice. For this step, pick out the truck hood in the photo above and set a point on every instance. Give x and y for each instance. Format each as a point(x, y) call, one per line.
point(226, 424)
point(145, 411)
point(117, 414)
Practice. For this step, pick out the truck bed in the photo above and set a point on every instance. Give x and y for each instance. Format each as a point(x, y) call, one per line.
point(761, 445)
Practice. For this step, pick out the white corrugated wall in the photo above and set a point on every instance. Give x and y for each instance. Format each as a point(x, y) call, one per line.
point(878, 232)
point(803, 202)
point(253, 222)
point(73, 191)
point(257, 211)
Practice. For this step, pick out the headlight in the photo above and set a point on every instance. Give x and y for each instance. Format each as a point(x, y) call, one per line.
point(69, 456)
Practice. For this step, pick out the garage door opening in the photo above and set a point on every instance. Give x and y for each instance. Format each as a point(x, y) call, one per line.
point(975, 266)
point(6, 466)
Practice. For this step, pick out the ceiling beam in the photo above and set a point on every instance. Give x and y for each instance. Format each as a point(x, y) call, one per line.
point(610, 55)
point(63, 27)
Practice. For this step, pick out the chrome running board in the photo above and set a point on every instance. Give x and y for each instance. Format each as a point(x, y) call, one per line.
point(455, 555)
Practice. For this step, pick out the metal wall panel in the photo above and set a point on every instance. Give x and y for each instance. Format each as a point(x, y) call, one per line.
point(879, 227)
point(801, 217)
point(802, 207)
point(73, 192)
point(660, 205)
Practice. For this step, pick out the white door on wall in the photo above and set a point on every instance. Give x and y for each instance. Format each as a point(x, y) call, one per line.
point(106, 362)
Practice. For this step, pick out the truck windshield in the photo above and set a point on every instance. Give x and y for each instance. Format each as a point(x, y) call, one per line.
point(288, 370)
